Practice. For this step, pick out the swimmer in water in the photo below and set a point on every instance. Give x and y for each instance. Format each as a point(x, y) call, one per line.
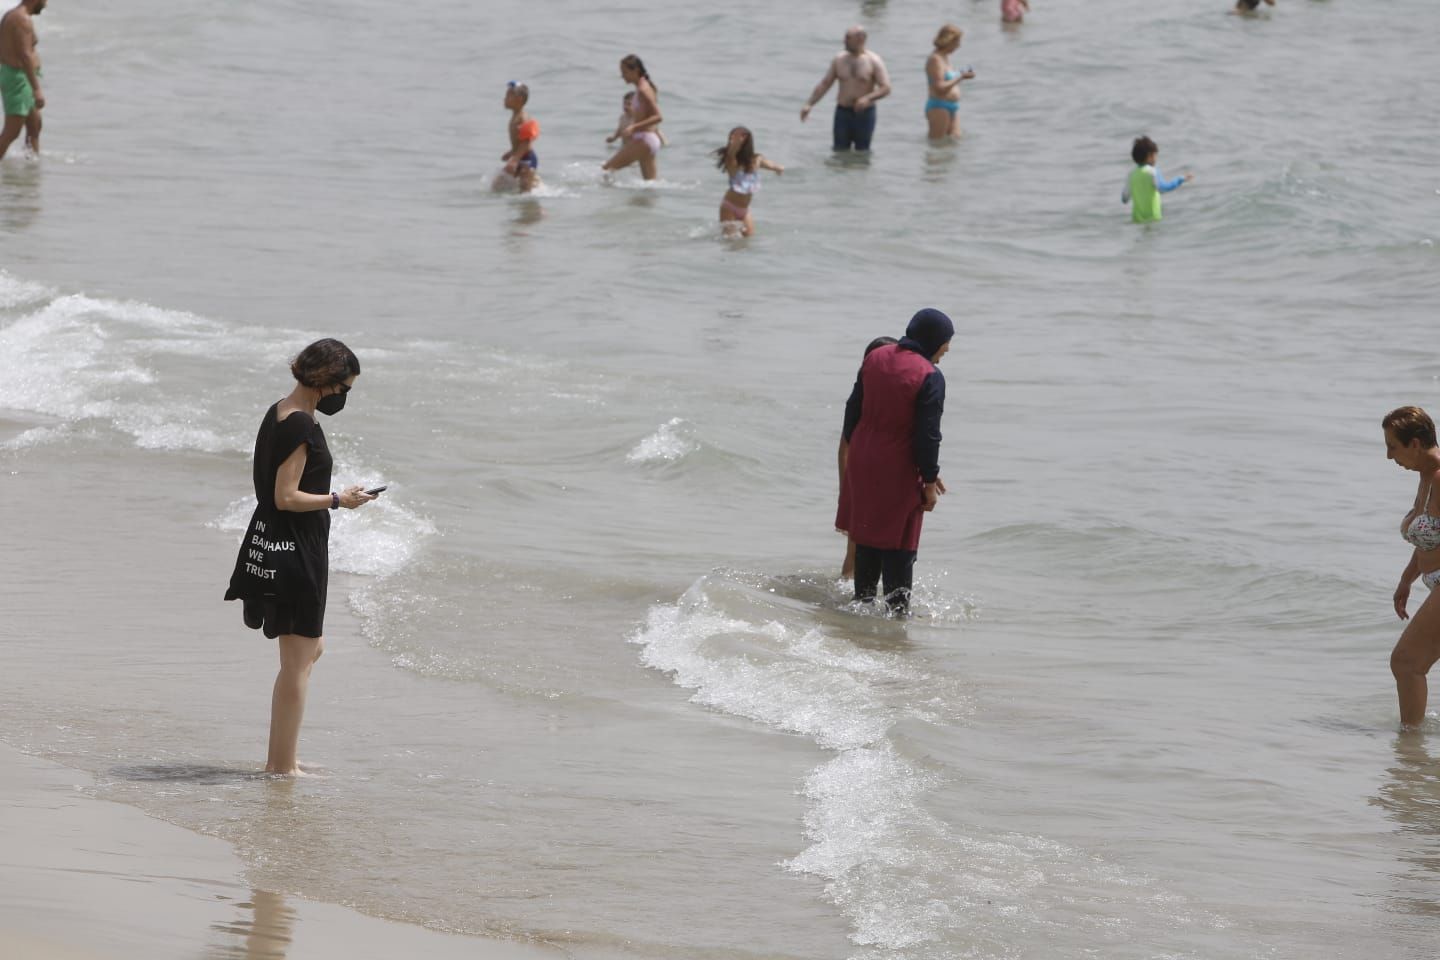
point(942, 110)
point(1247, 8)
point(627, 117)
point(1145, 185)
point(739, 159)
point(863, 80)
point(1410, 442)
point(642, 136)
point(521, 161)
point(1013, 11)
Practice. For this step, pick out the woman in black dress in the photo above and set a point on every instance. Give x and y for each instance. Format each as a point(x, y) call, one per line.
point(284, 562)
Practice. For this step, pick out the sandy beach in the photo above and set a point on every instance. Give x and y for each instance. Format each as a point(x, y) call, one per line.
point(92, 879)
point(85, 879)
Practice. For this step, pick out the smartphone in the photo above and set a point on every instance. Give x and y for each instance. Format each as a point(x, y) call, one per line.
point(376, 491)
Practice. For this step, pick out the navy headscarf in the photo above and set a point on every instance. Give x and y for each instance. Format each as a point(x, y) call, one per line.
point(929, 330)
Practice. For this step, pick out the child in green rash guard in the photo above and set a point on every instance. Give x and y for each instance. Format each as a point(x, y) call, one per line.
point(1145, 185)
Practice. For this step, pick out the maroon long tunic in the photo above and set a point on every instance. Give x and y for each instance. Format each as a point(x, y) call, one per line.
point(901, 396)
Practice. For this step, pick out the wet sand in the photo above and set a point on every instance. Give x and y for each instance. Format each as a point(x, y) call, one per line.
point(86, 879)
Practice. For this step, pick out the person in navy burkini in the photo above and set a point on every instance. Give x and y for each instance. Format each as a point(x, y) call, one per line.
point(892, 471)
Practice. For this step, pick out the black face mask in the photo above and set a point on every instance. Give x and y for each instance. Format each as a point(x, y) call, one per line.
point(334, 403)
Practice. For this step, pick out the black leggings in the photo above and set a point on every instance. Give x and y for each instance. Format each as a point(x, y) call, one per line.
point(896, 566)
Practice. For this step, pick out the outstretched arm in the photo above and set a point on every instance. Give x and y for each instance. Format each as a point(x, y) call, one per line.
point(821, 88)
point(764, 164)
point(1165, 186)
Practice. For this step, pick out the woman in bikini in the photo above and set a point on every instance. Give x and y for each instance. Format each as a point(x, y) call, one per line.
point(739, 159)
point(1410, 442)
point(641, 139)
point(942, 109)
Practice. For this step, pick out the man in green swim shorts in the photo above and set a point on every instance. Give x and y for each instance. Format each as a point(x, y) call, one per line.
point(20, 75)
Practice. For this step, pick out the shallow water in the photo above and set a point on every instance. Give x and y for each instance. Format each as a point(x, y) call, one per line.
point(590, 677)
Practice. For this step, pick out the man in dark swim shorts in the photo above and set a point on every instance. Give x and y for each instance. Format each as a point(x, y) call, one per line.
point(863, 80)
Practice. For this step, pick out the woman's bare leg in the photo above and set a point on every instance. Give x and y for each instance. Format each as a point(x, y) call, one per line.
point(630, 153)
point(287, 703)
point(939, 121)
point(1412, 658)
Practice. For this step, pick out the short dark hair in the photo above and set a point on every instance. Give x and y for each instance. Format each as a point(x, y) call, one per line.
point(879, 342)
point(1142, 149)
point(1410, 423)
point(325, 363)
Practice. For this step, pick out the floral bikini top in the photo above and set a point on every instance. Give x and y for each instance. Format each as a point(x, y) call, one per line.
point(1422, 529)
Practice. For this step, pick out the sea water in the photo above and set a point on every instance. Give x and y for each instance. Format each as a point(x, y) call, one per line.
point(591, 676)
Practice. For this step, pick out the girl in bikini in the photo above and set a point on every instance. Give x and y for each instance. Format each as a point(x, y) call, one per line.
point(739, 159)
point(1410, 442)
point(641, 139)
point(942, 110)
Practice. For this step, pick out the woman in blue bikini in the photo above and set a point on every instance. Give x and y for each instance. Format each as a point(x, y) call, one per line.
point(1410, 442)
point(942, 110)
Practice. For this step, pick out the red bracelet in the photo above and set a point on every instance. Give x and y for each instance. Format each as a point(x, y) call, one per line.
point(334, 500)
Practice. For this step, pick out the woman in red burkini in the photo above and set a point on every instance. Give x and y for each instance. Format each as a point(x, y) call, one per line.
point(892, 471)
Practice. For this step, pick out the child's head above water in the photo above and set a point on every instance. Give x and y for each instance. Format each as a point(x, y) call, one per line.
point(1144, 150)
point(879, 342)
